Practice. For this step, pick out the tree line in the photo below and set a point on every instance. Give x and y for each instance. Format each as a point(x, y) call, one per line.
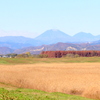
point(59, 54)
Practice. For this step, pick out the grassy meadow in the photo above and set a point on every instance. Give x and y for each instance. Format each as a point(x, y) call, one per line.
point(29, 94)
point(60, 78)
point(48, 60)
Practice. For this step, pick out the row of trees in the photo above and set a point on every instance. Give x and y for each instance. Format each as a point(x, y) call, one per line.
point(59, 54)
point(24, 55)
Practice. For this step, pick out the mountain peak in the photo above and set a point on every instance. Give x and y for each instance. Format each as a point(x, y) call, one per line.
point(52, 33)
point(54, 30)
point(83, 37)
point(53, 36)
point(83, 34)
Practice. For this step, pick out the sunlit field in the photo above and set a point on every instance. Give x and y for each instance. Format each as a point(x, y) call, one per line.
point(48, 60)
point(71, 78)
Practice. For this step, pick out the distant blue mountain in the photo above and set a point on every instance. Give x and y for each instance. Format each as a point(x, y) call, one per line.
point(18, 41)
point(53, 36)
point(13, 45)
point(48, 37)
point(83, 37)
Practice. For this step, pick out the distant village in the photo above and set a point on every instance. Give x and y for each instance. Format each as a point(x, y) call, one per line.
point(23, 55)
point(8, 56)
point(14, 55)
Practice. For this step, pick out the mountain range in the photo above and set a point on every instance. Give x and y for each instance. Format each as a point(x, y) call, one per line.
point(52, 47)
point(49, 40)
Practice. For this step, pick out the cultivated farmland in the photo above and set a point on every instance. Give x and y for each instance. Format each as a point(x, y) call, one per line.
point(70, 78)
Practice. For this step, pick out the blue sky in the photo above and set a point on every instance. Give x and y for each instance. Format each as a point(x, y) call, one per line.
point(32, 17)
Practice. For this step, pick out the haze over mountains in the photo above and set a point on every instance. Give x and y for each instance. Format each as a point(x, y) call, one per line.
point(54, 36)
point(48, 37)
point(47, 40)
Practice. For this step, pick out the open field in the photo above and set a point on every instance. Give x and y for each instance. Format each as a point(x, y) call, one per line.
point(71, 78)
point(48, 60)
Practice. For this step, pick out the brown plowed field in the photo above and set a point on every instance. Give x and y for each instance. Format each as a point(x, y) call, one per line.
point(72, 78)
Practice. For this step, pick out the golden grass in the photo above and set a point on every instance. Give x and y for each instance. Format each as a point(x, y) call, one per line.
point(71, 78)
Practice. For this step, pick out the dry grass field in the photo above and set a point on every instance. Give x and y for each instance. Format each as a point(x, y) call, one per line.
point(71, 78)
